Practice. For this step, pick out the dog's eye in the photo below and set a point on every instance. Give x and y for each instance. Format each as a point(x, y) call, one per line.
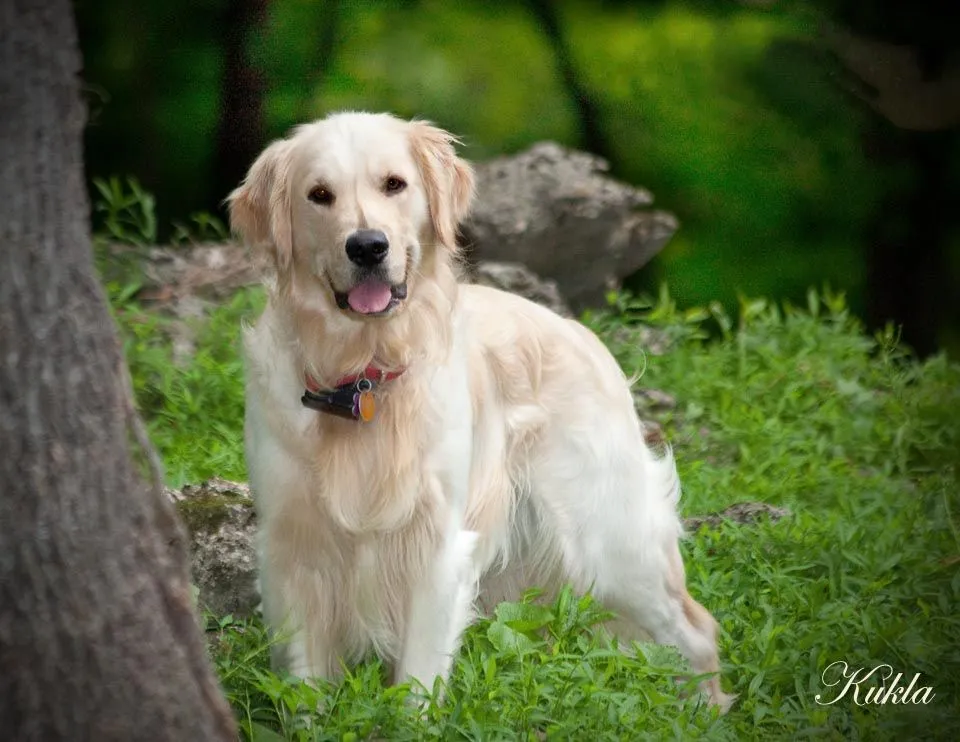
point(320, 195)
point(393, 184)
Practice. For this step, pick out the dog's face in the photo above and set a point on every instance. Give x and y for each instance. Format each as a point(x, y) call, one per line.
point(351, 206)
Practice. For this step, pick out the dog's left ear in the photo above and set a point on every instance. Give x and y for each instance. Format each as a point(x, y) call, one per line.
point(448, 180)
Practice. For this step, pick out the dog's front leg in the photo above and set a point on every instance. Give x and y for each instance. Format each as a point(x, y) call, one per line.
point(441, 607)
point(441, 602)
point(297, 612)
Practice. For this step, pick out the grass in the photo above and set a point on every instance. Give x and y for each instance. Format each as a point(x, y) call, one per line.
point(787, 405)
point(193, 411)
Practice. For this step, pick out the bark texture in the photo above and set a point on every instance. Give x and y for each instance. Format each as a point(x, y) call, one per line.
point(98, 640)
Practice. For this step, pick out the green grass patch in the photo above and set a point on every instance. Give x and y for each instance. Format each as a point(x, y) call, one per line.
point(194, 409)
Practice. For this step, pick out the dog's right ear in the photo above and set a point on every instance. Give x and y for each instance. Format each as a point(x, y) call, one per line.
point(261, 209)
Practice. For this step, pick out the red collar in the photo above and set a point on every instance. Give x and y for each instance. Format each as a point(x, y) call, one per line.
point(371, 372)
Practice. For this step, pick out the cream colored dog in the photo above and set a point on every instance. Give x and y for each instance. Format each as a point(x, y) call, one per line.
point(413, 442)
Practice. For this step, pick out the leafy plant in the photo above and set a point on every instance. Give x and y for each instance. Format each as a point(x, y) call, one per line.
point(203, 227)
point(127, 211)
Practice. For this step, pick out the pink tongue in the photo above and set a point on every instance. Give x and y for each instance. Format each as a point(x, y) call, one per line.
point(369, 297)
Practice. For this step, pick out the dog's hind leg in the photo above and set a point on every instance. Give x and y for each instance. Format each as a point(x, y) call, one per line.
point(659, 607)
point(441, 607)
point(647, 592)
point(621, 542)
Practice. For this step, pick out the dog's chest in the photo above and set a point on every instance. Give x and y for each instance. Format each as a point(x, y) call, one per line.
point(374, 476)
point(367, 576)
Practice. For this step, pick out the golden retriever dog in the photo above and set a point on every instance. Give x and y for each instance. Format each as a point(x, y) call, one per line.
point(417, 446)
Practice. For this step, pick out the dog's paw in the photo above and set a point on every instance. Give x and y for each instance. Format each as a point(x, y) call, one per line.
point(723, 701)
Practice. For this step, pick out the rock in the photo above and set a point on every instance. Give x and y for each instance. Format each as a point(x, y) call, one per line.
point(652, 340)
point(654, 436)
point(182, 332)
point(652, 401)
point(208, 270)
point(554, 210)
point(519, 279)
point(744, 513)
point(220, 518)
point(184, 282)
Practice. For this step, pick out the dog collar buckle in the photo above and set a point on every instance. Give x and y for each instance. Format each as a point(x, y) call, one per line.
point(352, 401)
point(352, 397)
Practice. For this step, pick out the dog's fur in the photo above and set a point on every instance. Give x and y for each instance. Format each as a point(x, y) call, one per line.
point(507, 455)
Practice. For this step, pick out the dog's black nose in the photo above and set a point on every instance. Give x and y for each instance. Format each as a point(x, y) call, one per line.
point(367, 247)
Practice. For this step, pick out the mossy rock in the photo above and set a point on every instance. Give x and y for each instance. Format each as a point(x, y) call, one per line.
point(221, 520)
point(207, 513)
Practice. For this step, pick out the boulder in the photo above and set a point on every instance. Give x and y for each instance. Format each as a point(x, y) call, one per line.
point(185, 282)
point(211, 271)
point(220, 518)
point(555, 211)
point(518, 279)
point(741, 513)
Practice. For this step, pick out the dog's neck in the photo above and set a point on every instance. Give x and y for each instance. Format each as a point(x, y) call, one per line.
point(332, 345)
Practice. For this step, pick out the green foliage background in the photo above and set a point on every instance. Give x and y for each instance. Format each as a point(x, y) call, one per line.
point(715, 107)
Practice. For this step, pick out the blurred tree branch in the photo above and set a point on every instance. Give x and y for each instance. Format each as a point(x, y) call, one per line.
point(898, 82)
point(240, 126)
point(592, 137)
point(901, 61)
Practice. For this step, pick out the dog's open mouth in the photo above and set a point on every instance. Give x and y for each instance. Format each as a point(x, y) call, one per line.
point(372, 297)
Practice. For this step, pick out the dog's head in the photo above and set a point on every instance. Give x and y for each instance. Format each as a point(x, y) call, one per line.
point(355, 205)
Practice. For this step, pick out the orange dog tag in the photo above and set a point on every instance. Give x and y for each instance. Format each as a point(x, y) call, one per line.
point(367, 406)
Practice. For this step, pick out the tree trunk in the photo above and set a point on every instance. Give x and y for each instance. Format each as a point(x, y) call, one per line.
point(98, 640)
point(240, 127)
point(903, 63)
point(908, 235)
